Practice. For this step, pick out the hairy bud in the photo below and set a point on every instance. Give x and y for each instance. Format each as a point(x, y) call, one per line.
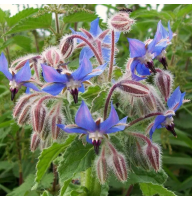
point(24, 117)
point(134, 88)
point(101, 167)
point(35, 141)
point(153, 155)
point(163, 80)
point(67, 46)
point(121, 22)
point(117, 163)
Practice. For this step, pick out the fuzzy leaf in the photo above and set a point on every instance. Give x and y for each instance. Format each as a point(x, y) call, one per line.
point(91, 92)
point(77, 158)
point(80, 17)
point(45, 193)
point(48, 155)
point(21, 15)
point(99, 101)
point(65, 186)
point(117, 73)
point(32, 23)
point(148, 189)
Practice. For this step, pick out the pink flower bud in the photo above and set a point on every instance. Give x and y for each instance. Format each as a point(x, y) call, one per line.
point(101, 167)
point(163, 80)
point(152, 153)
point(55, 130)
point(117, 163)
point(38, 115)
point(35, 140)
point(134, 88)
point(24, 117)
point(121, 22)
point(52, 57)
point(67, 46)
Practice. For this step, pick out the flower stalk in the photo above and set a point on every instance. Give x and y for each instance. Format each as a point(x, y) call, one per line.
point(112, 55)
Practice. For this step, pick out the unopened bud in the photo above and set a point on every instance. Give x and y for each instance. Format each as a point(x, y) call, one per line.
point(163, 80)
point(121, 22)
point(134, 88)
point(35, 140)
point(153, 155)
point(67, 46)
point(24, 117)
point(117, 163)
point(51, 56)
point(55, 130)
point(101, 167)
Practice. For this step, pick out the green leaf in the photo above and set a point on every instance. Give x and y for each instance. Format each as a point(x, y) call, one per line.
point(149, 189)
point(177, 160)
point(45, 193)
point(99, 101)
point(91, 92)
point(32, 23)
point(7, 190)
point(48, 155)
point(117, 73)
point(65, 186)
point(80, 17)
point(77, 158)
point(185, 10)
point(21, 15)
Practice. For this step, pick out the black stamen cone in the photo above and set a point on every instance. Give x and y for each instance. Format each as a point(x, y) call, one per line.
point(75, 94)
point(96, 145)
point(150, 65)
point(171, 129)
point(164, 62)
point(13, 93)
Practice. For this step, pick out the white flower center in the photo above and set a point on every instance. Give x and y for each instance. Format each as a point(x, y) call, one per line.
point(95, 136)
point(148, 57)
point(13, 84)
point(169, 121)
point(72, 84)
point(161, 55)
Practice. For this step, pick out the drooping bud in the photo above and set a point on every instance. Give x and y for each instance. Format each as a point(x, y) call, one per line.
point(152, 153)
point(24, 117)
point(163, 80)
point(52, 57)
point(35, 141)
point(141, 108)
point(117, 163)
point(67, 46)
point(101, 167)
point(121, 22)
point(134, 88)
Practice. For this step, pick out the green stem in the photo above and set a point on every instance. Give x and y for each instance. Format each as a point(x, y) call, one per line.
point(57, 22)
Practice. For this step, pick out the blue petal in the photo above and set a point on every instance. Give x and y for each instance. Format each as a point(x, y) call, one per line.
point(142, 69)
point(88, 139)
point(97, 71)
point(170, 31)
point(84, 69)
point(78, 33)
point(106, 53)
point(95, 30)
point(111, 121)
point(24, 74)
point(181, 101)
point(28, 91)
point(174, 98)
point(4, 66)
point(84, 119)
point(118, 128)
point(159, 48)
point(158, 120)
point(72, 130)
point(32, 86)
point(54, 89)
point(117, 36)
point(82, 88)
point(133, 67)
point(164, 33)
point(87, 51)
point(51, 75)
point(136, 48)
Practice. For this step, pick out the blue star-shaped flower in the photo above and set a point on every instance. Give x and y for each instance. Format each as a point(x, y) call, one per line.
point(21, 78)
point(143, 54)
point(95, 131)
point(71, 81)
point(98, 38)
point(174, 103)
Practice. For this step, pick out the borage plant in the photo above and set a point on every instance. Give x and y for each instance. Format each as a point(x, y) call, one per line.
point(69, 110)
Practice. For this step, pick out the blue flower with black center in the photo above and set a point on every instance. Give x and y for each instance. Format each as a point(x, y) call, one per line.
point(71, 81)
point(95, 130)
point(21, 78)
point(174, 103)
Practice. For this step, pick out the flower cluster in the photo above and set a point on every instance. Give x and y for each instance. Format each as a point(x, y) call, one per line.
point(50, 106)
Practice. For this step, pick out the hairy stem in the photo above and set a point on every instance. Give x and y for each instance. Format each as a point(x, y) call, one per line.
point(55, 177)
point(112, 55)
point(108, 99)
point(36, 40)
point(90, 45)
point(129, 190)
point(57, 23)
